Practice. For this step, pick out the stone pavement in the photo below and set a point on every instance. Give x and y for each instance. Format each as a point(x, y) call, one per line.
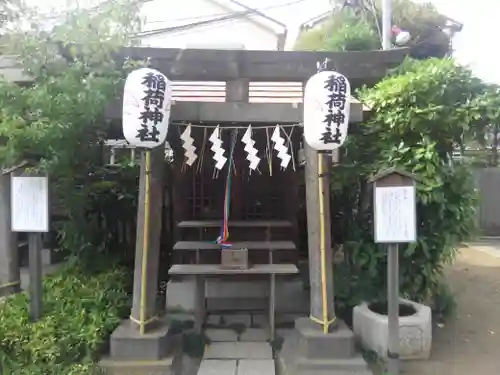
point(232, 353)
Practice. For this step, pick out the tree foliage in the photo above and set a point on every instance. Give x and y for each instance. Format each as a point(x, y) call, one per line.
point(344, 31)
point(427, 26)
point(58, 122)
point(419, 114)
point(358, 27)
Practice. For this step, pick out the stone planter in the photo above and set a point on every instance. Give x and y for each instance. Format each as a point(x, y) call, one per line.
point(415, 331)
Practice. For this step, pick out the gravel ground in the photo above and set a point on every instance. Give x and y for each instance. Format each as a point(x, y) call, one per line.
point(470, 342)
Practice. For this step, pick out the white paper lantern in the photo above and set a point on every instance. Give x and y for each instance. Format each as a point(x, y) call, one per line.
point(326, 110)
point(147, 99)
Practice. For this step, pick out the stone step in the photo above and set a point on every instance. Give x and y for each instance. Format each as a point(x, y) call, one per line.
point(256, 367)
point(238, 350)
point(354, 365)
point(255, 335)
point(161, 367)
point(235, 295)
point(228, 320)
point(221, 335)
point(250, 319)
point(218, 367)
point(230, 335)
point(234, 367)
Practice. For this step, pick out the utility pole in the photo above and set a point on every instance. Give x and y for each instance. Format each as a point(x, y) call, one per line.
point(386, 23)
point(393, 261)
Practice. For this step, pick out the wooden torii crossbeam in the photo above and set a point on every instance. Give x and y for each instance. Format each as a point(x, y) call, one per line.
point(238, 68)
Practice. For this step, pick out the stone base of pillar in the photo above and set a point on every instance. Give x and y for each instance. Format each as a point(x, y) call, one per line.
point(307, 350)
point(127, 344)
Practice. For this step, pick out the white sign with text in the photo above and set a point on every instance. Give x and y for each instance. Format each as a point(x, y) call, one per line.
point(395, 214)
point(29, 204)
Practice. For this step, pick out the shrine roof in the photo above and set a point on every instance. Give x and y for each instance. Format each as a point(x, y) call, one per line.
point(225, 65)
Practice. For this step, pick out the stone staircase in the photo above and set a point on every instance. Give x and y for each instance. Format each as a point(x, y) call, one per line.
point(233, 353)
point(236, 301)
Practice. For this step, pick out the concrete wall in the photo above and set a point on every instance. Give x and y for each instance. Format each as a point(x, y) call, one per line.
point(488, 213)
point(241, 31)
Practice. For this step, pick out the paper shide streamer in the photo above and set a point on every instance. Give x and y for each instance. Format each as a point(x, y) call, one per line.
point(279, 140)
point(279, 145)
point(217, 149)
point(250, 149)
point(187, 145)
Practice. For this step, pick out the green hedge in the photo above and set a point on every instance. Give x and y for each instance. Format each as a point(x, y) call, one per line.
point(80, 312)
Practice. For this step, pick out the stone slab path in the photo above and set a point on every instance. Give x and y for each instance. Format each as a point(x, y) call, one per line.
point(239, 350)
point(236, 367)
point(230, 353)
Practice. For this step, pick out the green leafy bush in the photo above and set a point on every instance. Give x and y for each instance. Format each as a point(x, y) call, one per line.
point(80, 310)
point(419, 114)
point(345, 31)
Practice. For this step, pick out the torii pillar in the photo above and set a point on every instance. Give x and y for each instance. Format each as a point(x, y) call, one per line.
point(144, 336)
point(309, 349)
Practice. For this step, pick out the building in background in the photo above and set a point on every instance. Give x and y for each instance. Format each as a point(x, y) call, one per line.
point(225, 24)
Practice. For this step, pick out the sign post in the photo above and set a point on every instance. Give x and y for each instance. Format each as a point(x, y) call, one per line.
point(394, 223)
point(30, 214)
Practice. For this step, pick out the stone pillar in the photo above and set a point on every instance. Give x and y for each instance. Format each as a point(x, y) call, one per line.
point(9, 255)
point(314, 241)
point(152, 342)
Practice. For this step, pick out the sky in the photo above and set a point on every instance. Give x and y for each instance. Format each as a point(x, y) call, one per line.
point(475, 46)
